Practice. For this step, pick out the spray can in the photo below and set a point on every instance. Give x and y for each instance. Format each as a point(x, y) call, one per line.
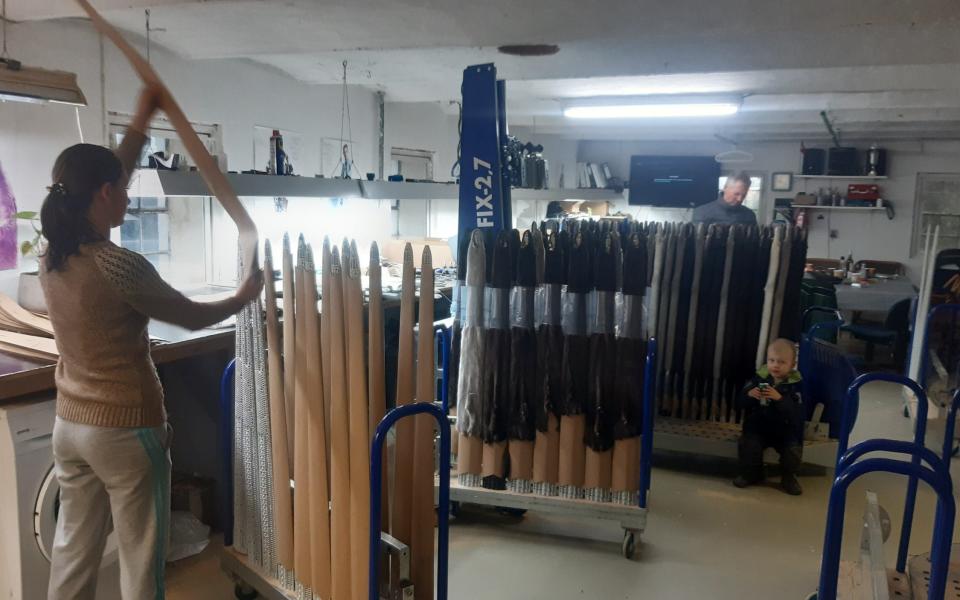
point(278, 158)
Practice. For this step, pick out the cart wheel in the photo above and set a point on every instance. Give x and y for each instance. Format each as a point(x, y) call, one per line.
point(244, 592)
point(629, 547)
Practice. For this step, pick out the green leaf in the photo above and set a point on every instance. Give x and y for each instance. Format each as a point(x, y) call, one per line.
point(26, 248)
point(27, 214)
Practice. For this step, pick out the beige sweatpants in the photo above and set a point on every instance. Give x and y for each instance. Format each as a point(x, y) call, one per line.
point(110, 473)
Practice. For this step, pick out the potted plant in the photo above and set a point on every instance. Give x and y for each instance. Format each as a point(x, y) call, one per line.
point(29, 292)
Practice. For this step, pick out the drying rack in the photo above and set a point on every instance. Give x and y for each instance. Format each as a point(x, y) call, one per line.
point(632, 519)
point(826, 374)
point(908, 579)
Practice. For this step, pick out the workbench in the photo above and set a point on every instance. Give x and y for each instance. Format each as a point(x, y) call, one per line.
point(23, 377)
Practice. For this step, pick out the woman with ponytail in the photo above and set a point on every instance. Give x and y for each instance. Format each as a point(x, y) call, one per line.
point(110, 439)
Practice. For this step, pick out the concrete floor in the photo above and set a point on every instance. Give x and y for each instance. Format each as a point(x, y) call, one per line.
point(704, 538)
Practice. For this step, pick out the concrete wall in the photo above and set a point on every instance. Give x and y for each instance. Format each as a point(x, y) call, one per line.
point(235, 94)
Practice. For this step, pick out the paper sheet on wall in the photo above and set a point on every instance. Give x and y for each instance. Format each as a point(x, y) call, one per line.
point(8, 225)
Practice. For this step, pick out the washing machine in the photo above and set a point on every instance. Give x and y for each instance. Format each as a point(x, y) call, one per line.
point(29, 503)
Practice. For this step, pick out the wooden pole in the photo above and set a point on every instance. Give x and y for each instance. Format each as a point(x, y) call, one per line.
point(282, 500)
point(359, 430)
point(377, 385)
point(316, 437)
point(421, 543)
point(325, 336)
point(403, 471)
point(303, 563)
point(289, 344)
point(340, 444)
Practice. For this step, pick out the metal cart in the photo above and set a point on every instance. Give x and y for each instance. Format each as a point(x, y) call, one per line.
point(918, 577)
point(633, 519)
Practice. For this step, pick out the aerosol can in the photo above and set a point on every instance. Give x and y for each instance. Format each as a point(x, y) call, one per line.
point(278, 158)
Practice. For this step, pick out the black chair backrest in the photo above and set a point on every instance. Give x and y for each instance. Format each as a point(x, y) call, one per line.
point(898, 317)
point(946, 265)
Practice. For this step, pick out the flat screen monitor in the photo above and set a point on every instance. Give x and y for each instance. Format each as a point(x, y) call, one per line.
point(673, 181)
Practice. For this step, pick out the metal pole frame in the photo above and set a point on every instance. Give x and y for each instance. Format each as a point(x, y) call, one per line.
point(847, 419)
point(444, 340)
point(376, 490)
point(942, 535)
point(646, 439)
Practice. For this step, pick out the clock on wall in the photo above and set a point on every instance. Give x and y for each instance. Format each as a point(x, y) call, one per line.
point(781, 182)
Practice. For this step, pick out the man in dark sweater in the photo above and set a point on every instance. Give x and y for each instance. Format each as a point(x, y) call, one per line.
point(728, 208)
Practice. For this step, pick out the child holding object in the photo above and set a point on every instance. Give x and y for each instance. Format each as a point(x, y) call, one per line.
point(773, 418)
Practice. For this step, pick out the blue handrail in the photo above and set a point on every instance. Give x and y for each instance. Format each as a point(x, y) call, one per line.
point(226, 449)
point(376, 491)
point(942, 534)
point(851, 406)
point(895, 446)
point(646, 428)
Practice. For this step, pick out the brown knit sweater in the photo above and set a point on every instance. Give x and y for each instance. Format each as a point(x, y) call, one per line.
point(99, 304)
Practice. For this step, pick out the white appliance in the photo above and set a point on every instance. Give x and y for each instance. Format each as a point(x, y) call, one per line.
point(29, 502)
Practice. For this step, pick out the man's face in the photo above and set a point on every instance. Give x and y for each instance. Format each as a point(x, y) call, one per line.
point(734, 193)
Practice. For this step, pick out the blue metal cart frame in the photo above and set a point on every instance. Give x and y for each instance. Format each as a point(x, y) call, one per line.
point(936, 474)
point(376, 491)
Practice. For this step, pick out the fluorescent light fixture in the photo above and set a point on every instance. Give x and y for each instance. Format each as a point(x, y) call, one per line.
point(30, 84)
point(648, 111)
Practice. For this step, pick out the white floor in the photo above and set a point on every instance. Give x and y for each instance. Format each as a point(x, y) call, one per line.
point(704, 539)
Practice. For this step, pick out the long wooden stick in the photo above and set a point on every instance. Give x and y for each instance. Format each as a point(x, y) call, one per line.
point(218, 184)
point(303, 563)
point(359, 432)
point(316, 438)
point(403, 473)
point(289, 344)
point(377, 382)
point(421, 543)
point(340, 443)
point(282, 501)
point(325, 337)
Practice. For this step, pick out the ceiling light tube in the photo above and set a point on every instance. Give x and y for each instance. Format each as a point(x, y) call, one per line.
point(647, 111)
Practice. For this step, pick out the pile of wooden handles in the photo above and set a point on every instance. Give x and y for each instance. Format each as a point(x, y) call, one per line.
point(326, 386)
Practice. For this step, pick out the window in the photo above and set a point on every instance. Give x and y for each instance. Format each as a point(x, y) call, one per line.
point(938, 203)
point(146, 229)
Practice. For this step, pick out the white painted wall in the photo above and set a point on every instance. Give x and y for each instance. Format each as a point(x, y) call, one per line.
point(867, 235)
point(235, 94)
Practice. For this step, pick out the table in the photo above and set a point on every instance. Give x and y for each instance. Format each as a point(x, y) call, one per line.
point(875, 297)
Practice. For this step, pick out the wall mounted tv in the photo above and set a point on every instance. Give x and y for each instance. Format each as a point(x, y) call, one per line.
point(673, 181)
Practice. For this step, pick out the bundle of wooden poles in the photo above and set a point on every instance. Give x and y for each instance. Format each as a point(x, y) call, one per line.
point(550, 338)
point(325, 389)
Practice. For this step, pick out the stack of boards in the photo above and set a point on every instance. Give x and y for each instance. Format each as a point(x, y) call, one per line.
point(25, 334)
point(309, 396)
point(550, 339)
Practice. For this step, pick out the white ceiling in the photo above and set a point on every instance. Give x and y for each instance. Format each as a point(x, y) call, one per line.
point(876, 65)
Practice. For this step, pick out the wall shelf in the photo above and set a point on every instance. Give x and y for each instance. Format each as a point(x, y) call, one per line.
point(153, 183)
point(850, 208)
point(846, 177)
point(149, 183)
point(590, 194)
